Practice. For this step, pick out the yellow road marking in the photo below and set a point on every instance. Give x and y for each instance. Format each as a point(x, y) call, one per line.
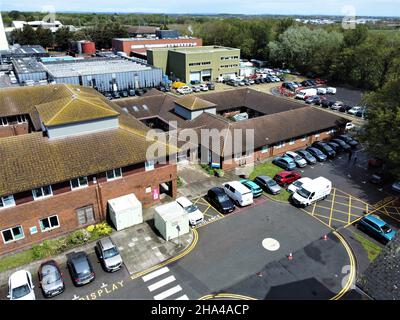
point(313, 209)
point(317, 219)
point(333, 202)
point(348, 195)
point(339, 211)
point(209, 222)
point(348, 221)
point(226, 295)
point(346, 204)
point(325, 217)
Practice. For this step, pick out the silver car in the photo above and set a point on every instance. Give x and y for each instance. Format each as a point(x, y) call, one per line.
point(268, 184)
point(108, 254)
point(51, 279)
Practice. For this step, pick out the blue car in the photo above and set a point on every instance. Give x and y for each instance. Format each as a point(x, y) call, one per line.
point(285, 163)
point(318, 154)
point(377, 228)
point(255, 188)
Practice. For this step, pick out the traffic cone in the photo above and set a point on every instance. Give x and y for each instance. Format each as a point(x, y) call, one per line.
point(290, 257)
point(325, 237)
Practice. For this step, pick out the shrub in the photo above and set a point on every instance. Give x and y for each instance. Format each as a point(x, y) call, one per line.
point(78, 237)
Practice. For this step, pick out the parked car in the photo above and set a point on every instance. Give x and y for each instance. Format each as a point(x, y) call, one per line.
point(20, 286)
point(349, 140)
point(220, 200)
point(300, 162)
point(241, 195)
point(284, 163)
point(335, 147)
point(331, 90)
point(297, 184)
point(232, 83)
point(396, 186)
point(326, 103)
point(343, 145)
point(268, 184)
point(80, 268)
point(321, 91)
point(116, 95)
point(131, 92)
point(314, 100)
point(354, 110)
point(184, 90)
point(325, 148)
point(307, 156)
point(139, 92)
point(360, 113)
point(108, 96)
point(196, 88)
point(108, 255)
point(318, 154)
point(194, 82)
point(344, 108)
point(255, 188)
point(195, 215)
point(211, 86)
point(203, 87)
point(377, 228)
point(337, 105)
point(381, 178)
point(285, 178)
point(124, 94)
point(349, 126)
point(51, 279)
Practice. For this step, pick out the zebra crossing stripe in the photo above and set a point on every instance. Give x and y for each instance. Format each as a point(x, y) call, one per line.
point(161, 283)
point(155, 274)
point(168, 293)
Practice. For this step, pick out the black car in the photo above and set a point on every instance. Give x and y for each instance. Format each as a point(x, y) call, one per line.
point(345, 108)
point(220, 200)
point(257, 81)
point(326, 104)
point(116, 95)
point(139, 92)
point(131, 92)
point(108, 96)
point(124, 94)
point(80, 268)
point(334, 146)
point(194, 82)
point(349, 140)
point(318, 154)
point(360, 113)
point(325, 148)
point(343, 145)
point(211, 86)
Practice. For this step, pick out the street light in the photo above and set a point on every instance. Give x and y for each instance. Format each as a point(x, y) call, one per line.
point(179, 229)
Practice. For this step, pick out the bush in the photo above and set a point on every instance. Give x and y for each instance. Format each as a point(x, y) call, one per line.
point(78, 237)
point(99, 230)
point(179, 182)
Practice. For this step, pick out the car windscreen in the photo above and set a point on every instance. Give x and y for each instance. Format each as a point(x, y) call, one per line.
point(82, 268)
point(298, 158)
point(297, 184)
point(386, 228)
point(271, 183)
point(223, 198)
point(319, 152)
point(191, 208)
point(20, 292)
point(50, 274)
point(109, 253)
point(304, 193)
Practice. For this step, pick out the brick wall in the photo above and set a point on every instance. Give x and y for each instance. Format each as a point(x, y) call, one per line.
point(64, 204)
point(13, 130)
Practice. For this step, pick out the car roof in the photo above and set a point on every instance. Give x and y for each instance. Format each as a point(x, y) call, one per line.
point(107, 243)
point(376, 220)
point(218, 190)
point(291, 153)
point(183, 201)
point(250, 183)
point(285, 173)
point(266, 178)
point(18, 278)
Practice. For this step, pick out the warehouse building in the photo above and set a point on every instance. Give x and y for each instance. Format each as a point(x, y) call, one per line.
point(206, 63)
point(79, 151)
point(104, 74)
point(29, 70)
point(18, 52)
point(279, 125)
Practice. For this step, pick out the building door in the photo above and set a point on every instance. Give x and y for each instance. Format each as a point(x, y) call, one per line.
point(195, 76)
point(206, 75)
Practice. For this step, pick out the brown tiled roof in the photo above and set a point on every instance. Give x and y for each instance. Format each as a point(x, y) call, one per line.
point(194, 103)
point(142, 29)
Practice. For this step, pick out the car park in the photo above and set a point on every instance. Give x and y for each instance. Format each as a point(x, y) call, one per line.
point(342, 144)
point(268, 184)
point(255, 188)
point(20, 286)
point(195, 215)
point(377, 228)
point(325, 148)
point(285, 178)
point(284, 163)
point(349, 140)
point(307, 156)
point(312, 191)
point(240, 194)
point(108, 255)
point(220, 200)
point(80, 268)
point(297, 184)
point(300, 162)
point(318, 154)
point(51, 279)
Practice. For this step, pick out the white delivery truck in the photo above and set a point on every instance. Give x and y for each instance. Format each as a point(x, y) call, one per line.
point(305, 93)
point(312, 191)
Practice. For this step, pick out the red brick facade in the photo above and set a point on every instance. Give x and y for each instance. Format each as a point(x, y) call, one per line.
point(65, 202)
point(14, 129)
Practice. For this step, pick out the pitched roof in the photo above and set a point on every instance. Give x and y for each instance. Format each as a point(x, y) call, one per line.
point(194, 103)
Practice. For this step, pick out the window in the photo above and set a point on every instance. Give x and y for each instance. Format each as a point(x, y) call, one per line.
point(49, 223)
point(264, 149)
point(7, 201)
point(279, 145)
point(85, 215)
point(78, 183)
point(3, 122)
point(149, 165)
point(42, 192)
point(292, 141)
point(21, 119)
point(114, 174)
point(12, 234)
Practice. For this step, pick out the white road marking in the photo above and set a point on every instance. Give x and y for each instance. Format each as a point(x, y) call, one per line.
point(168, 293)
point(184, 297)
point(155, 274)
point(161, 283)
point(75, 297)
point(103, 285)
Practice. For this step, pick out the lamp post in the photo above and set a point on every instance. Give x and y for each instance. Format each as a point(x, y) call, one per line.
point(179, 229)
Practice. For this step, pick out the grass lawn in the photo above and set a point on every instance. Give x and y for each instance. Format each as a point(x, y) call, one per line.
point(370, 247)
point(16, 260)
point(269, 169)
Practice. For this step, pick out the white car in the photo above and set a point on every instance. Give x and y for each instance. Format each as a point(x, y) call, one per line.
point(349, 126)
point(195, 215)
point(321, 90)
point(196, 88)
point(331, 90)
point(354, 110)
point(337, 105)
point(297, 184)
point(184, 90)
point(20, 286)
point(203, 87)
point(300, 162)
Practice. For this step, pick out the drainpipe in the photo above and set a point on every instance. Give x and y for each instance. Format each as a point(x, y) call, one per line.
point(99, 198)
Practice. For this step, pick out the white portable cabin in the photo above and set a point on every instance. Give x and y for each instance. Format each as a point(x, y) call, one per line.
point(171, 220)
point(125, 211)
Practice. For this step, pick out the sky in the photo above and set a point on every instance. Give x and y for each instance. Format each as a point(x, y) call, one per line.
point(286, 7)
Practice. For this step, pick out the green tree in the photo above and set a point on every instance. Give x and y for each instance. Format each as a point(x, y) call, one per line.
point(26, 36)
point(44, 37)
point(62, 37)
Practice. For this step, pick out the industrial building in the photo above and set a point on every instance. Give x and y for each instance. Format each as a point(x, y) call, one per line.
point(17, 51)
point(28, 70)
point(196, 63)
point(69, 153)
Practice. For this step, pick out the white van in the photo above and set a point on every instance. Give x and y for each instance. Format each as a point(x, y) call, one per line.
point(305, 93)
point(313, 191)
point(195, 215)
point(240, 195)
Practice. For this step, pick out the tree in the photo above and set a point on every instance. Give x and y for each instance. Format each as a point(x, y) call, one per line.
point(62, 37)
point(26, 36)
point(382, 130)
point(44, 37)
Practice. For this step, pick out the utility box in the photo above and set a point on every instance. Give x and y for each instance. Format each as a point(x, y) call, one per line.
point(125, 211)
point(171, 220)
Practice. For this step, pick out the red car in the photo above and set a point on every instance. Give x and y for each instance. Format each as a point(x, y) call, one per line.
point(286, 177)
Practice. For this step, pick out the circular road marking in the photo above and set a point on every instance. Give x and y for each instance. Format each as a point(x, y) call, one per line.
point(270, 244)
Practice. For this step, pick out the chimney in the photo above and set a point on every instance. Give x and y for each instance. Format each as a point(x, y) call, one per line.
point(3, 38)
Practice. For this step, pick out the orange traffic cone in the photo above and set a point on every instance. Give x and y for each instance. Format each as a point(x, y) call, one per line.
point(325, 237)
point(290, 257)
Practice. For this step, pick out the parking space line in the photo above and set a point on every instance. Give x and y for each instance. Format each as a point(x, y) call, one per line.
point(339, 211)
point(348, 195)
point(346, 204)
point(318, 215)
point(349, 218)
point(318, 219)
point(313, 209)
point(333, 202)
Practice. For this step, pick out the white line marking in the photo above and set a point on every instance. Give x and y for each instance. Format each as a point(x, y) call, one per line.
point(155, 274)
point(184, 297)
point(168, 293)
point(161, 283)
